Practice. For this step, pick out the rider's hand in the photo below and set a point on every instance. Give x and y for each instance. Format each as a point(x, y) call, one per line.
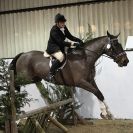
point(81, 43)
point(76, 44)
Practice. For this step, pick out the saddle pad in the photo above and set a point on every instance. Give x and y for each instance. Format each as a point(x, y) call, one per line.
point(46, 55)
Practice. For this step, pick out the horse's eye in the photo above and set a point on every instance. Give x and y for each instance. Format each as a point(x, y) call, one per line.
point(108, 46)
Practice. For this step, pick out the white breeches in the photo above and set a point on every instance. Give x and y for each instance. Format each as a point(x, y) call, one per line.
point(59, 56)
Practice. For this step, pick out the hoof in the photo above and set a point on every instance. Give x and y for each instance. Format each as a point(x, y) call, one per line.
point(110, 116)
point(107, 117)
point(104, 116)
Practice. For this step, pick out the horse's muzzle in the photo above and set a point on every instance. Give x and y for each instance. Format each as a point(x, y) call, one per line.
point(123, 62)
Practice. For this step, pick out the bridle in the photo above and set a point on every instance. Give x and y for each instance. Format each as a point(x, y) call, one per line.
point(116, 56)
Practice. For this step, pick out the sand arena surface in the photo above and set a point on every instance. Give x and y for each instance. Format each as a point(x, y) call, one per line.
point(99, 126)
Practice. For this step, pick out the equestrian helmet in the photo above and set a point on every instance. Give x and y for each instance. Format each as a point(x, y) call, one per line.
point(59, 18)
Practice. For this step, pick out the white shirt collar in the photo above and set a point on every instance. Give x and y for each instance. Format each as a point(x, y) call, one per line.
point(62, 29)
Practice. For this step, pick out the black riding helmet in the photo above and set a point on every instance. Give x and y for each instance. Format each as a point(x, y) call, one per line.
point(59, 18)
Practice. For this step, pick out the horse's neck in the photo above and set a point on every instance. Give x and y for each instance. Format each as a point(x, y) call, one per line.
point(95, 48)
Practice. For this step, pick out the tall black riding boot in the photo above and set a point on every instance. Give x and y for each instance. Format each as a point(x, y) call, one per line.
point(55, 65)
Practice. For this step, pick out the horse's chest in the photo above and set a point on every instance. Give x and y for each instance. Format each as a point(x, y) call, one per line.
point(91, 74)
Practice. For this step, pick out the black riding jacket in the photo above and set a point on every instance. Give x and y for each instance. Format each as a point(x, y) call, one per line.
point(56, 40)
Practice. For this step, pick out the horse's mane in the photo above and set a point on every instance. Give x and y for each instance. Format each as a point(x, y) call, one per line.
point(93, 40)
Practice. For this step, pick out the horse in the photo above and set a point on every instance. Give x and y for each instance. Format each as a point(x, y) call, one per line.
point(79, 70)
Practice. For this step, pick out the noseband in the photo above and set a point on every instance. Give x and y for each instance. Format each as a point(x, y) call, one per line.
point(121, 54)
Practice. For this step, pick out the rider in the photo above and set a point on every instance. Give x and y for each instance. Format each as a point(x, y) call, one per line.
point(56, 43)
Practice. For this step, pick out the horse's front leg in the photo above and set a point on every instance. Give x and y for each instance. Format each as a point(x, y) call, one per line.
point(92, 87)
point(103, 106)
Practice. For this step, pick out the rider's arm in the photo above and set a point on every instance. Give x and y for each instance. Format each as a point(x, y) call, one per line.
point(58, 39)
point(70, 36)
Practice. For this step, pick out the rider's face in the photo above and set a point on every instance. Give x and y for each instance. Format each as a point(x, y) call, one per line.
point(61, 24)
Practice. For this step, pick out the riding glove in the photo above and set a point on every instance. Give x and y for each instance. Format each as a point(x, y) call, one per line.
point(76, 44)
point(81, 43)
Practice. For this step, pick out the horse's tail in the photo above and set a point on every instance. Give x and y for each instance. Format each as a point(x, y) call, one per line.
point(13, 63)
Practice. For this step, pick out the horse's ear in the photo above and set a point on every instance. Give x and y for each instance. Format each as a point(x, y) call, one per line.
point(108, 34)
point(117, 35)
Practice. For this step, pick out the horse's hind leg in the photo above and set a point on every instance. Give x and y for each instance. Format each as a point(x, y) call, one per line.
point(92, 87)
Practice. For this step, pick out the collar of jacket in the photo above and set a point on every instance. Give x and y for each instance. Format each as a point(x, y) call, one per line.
point(60, 29)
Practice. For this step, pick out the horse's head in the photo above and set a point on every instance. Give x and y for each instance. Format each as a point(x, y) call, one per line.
point(114, 50)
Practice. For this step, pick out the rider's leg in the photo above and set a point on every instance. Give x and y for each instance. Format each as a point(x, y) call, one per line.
point(59, 56)
point(56, 64)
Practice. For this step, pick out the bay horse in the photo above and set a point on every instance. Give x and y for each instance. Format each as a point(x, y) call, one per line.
point(79, 70)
